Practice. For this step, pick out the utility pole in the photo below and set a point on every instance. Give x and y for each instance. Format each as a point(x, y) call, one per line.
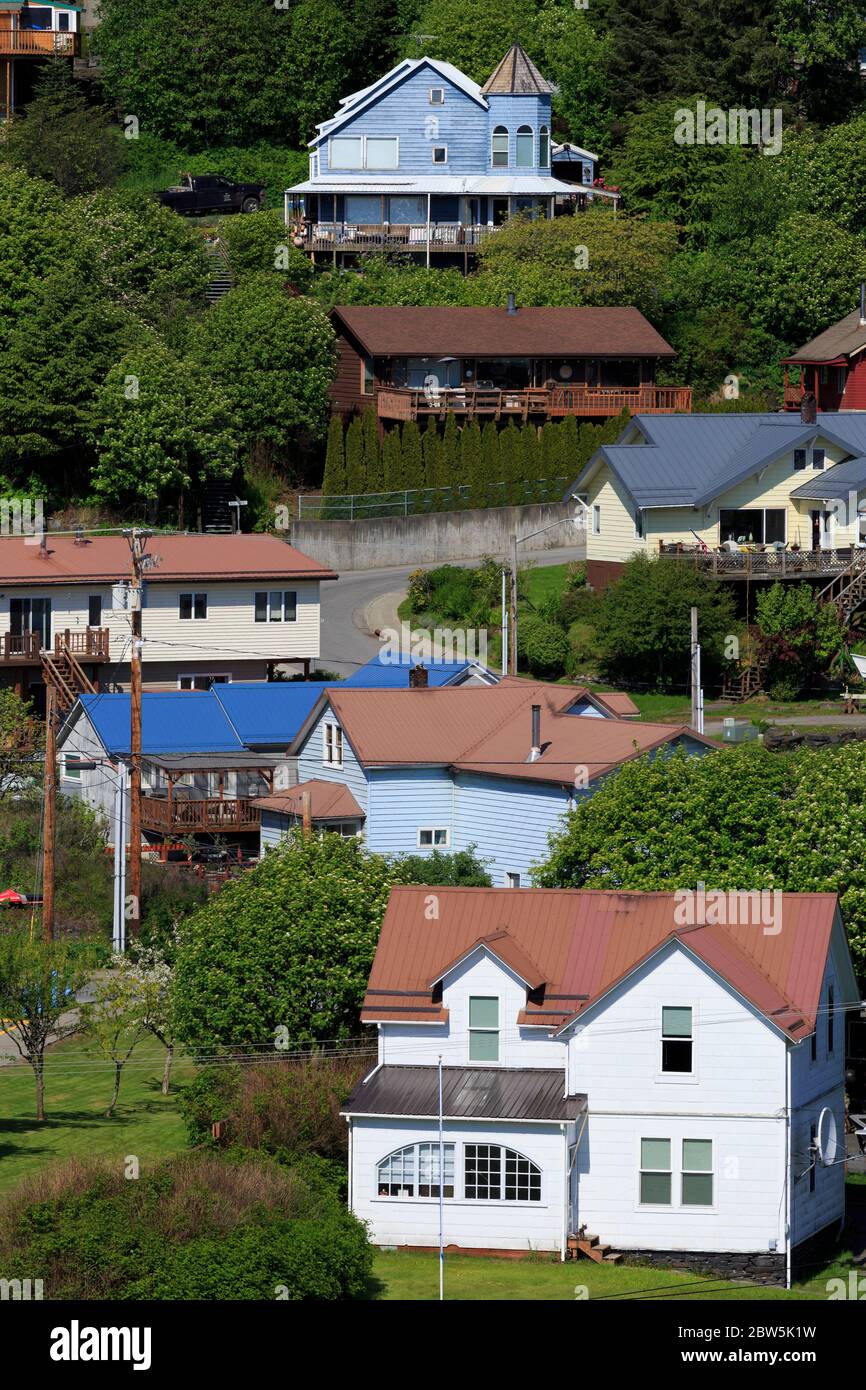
point(697, 693)
point(306, 813)
point(137, 541)
point(49, 813)
point(513, 606)
point(118, 940)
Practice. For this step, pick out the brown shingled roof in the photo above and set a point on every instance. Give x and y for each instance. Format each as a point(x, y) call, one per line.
point(517, 75)
point(560, 331)
point(105, 559)
point(584, 942)
point(328, 801)
point(840, 340)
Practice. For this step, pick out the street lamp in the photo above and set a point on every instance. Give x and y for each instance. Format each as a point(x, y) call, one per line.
point(577, 521)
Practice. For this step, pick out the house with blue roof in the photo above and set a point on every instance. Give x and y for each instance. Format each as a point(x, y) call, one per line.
point(387, 671)
point(757, 496)
point(427, 162)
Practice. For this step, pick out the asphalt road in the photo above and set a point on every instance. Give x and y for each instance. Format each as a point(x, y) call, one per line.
point(345, 643)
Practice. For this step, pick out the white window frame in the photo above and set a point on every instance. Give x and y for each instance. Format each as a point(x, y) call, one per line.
point(509, 875)
point(669, 1171)
point(544, 135)
point(504, 1151)
point(432, 97)
point(192, 596)
point(269, 609)
point(70, 759)
point(483, 1028)
point(365, 158)
point(677, 1076)
point(439, 162)
point(215, 677)
point(596, 519)
point(522, 133)
point(416, 1148)
point(332, 744)
point(333, 165)
point(698, 1172)
point(495, 163)
point(433, 831)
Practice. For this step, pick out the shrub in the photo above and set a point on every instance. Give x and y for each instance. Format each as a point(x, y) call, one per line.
point(543, 645)
point(785, 689)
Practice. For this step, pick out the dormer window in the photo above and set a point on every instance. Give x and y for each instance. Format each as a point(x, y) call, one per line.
point(483, 1029)
point(499, 154)
point(436, 96)
point(677, 1042)
point(525, 147)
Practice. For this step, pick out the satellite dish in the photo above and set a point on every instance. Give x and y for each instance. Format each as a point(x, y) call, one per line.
point(825, 1137)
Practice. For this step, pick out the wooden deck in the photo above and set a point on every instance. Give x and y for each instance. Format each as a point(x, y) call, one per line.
point(761, 563)
point(353, 236)
point(37, 43)
point(190, 817)
point(25, 648)
point(410, 403)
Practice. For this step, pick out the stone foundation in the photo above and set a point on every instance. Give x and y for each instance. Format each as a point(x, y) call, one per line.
point(762, 1267)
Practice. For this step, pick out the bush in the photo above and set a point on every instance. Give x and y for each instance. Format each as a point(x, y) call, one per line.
point(543, 646)
point(451, 592)
point(463, 869)
point(786, 689)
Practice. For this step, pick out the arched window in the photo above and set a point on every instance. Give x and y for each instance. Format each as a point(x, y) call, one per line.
point(500, 148)
point(525, 147)
point(544, 147)
point(494, 1174)
point(414, 1172)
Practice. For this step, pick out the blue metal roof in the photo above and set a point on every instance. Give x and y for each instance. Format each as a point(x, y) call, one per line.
point(174, 721)
point(389, 673)
point(687, 460)
point(268, 713)
point(835, 482)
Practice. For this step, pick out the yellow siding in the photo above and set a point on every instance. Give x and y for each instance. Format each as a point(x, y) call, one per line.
point(617, 540)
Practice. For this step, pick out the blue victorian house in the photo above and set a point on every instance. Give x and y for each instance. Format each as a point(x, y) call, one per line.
point(427, 162)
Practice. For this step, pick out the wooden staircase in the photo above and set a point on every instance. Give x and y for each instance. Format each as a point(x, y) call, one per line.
point(61, 670)
point(592, 1248)
point(847, 590)
point(743, 682)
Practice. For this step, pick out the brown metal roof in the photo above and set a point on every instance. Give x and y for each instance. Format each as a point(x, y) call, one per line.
point(584, 941)
point(840, 340)
point(431, 331)
point(105, 559)
point(503, 945)
point(517, 75)
point(487, 729)
point(328, 801)
point(468, 1093)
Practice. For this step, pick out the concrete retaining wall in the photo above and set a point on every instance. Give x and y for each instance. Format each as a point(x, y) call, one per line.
point(438, 538)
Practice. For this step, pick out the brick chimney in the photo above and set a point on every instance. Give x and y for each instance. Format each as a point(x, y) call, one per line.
point(419, 677)
point(808, 408)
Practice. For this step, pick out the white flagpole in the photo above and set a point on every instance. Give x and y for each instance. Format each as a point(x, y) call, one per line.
point(441, 1193)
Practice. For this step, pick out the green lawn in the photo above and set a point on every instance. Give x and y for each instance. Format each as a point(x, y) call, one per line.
point(408, 1276)
point(78, 1088)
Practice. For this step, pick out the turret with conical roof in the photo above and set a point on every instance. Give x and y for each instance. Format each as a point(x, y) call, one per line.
point(517, 75)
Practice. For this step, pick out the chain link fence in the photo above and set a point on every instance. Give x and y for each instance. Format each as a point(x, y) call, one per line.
point(422, 501)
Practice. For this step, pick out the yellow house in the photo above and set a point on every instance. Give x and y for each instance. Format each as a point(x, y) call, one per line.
point(765, 495)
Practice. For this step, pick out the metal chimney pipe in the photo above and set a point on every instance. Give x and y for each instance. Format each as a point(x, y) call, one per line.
point(535, 750)
point(863, 303)
point(512, 304)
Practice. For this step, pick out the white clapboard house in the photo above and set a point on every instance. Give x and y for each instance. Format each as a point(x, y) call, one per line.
point(621, 1073)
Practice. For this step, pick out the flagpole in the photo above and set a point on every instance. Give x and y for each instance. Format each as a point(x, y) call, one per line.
point(441, 1193)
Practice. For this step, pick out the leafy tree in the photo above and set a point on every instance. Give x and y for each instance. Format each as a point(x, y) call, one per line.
point(819, 39)
point(356, 479)
point(802, 276)
point(462, 869)
point(287, 946)
point(392, 461)
point(150, 976)
point(543, 646)
point(261, 244)
point(334, 480)
point(474, 34)
point(432, 449)
point(21, 741)
point(491, 461)
point(62, 138)
point(38, 984)
point(114, 1022)
point(570, 53)
point(643, 624)
point(451, 471)
point(799, 637)
point(511, 463)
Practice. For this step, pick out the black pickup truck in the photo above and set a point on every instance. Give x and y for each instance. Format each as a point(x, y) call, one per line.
point(211, 193)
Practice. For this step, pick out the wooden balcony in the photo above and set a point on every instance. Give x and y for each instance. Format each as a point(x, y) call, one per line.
point(760, 562)
point(353, 236)
point(26, 649)
point(38, 43)
point(410, 403)
point(21, 648)
point(216, 815)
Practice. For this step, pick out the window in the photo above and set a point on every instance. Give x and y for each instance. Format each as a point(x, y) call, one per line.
point(381, 152)
point(799, 460)
point(433, 837)
point(830, 1022)
point(676, 1040)
point(347, 152)
point(544, 147)
point(31, 615)
point(483, 1029)
point(499, 158)
point(192, 606)
point(596, 519)
point(697, 1174)
point(813, 1157)
point(369, 377)
point(277, 606)
point(525, 147)
point(638, 525)
point(813, 1044)
point(756, 525)
point(818, 456)
point(440, 154)
point(512, 880)
point(63, 22)
point(494, 1174)
point(94, 610)
point(72, 767)
point(332, 736)
point(201, 681)
point(655, 1172)
point(436, 96)
point(414, 1171)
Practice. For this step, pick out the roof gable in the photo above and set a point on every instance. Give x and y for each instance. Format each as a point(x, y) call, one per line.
point(353, 105)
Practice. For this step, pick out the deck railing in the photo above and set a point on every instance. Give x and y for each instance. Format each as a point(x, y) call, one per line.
point(384, 236)
point(21, 646)
point(36, 42)
point(763, 563)
point(208, 813)
point(410, 403)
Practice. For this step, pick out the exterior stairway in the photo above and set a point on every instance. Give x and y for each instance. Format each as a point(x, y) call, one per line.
point(221, 280)
point(743, 682)
point(847, 590)
point(217, 516)
point(61, 670)
point(592, 1249)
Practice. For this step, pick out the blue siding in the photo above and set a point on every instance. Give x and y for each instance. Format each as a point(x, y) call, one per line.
point(513, 112)
point(311, 764)
point(508, 821)
point(402, 800)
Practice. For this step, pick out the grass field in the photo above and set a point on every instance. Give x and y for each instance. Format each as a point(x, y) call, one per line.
point(78, 1088)
point(412, 1277)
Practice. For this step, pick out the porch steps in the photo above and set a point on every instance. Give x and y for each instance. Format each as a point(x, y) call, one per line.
point(847, 590)
point(61, 670)
point(216, 515)
point(221, 280)
point(592, 1248)
point(743, 683)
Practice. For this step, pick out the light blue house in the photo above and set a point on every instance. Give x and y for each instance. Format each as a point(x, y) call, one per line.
point(428, 162)
point(494, 767)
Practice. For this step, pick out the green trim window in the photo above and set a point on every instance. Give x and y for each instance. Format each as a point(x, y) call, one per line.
point(697, 1173)
point(655, 1172)
point(483, 1029)
point(525, 147)
point(677, 1041)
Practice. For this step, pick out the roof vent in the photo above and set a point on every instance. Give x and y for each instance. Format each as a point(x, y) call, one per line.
point(80, 538)
point(512, 304)
point(43, 546)
point(535, 750)
point(808, 408)
point(419, 677)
